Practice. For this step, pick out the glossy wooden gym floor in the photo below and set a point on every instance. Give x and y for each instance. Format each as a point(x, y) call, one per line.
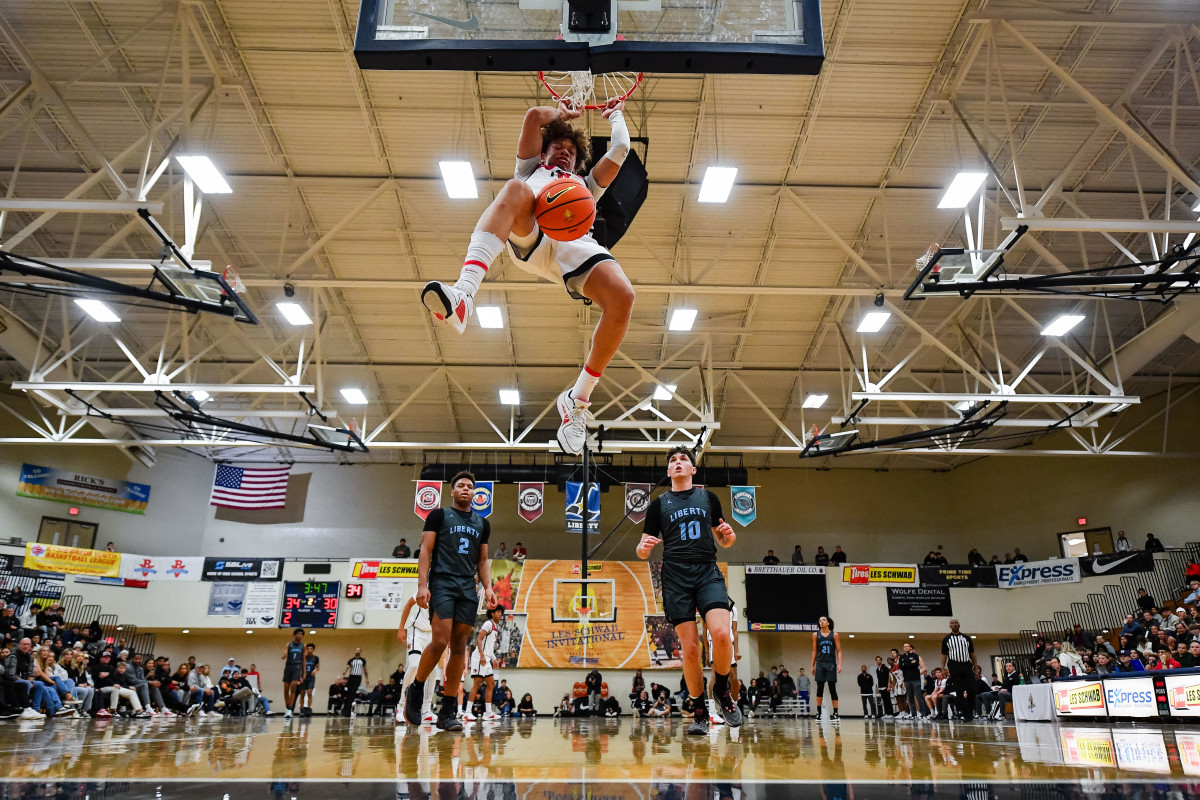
point(573, 751)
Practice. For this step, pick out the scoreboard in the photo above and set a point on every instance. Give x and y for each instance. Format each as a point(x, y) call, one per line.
point(310, 604)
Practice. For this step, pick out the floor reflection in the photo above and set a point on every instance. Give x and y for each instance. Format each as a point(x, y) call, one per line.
point(838, 759)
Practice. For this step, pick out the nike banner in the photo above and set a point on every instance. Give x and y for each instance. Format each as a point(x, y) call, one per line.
point(1116, 564)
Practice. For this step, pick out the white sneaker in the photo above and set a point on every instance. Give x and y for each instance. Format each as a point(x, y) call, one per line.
point(469, 715)
point(491, 715)
point(286, 714)
point(429, 718)
point(572, 433)
point(448, 305)
point(29, 713)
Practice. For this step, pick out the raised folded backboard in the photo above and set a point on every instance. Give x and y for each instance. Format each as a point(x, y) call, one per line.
point(662, 36)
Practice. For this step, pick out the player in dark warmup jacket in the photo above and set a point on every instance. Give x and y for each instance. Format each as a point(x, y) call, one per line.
point(687, 522)
point(453, 552)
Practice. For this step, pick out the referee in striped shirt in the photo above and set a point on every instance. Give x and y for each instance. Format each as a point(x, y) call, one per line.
point(958, 656)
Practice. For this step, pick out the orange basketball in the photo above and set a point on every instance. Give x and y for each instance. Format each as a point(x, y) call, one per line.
point(565, 209)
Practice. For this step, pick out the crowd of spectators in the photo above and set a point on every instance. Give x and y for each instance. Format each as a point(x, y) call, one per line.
point(822, 559)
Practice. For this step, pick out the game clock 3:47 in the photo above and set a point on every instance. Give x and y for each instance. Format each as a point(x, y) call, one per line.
point(310, 604)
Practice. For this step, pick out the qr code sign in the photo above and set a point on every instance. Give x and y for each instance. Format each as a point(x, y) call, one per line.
point(270, 569)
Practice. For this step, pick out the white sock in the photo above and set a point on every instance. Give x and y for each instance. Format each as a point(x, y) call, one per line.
point(587, 380)
point(484, 249)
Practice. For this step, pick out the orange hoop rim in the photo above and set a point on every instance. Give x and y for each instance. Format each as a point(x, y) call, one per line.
point(591, 106)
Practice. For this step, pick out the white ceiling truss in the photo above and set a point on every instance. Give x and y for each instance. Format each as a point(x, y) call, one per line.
point(1086, 119)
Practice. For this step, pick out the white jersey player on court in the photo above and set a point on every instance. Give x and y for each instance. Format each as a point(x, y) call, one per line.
point(416, 633)
point(550, 148)
point(483, 665)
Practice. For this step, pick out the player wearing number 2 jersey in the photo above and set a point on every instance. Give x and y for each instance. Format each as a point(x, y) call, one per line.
point(687, 522)
point(453, 552)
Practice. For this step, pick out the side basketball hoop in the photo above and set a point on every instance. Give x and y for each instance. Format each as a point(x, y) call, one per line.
point(589, 91)
point(233, 280)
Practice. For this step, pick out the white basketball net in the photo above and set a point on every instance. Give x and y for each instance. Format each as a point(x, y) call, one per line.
point(586, 90)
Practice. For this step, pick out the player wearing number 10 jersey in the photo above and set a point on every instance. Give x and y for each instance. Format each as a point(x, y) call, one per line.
point(687, 522)
point(453, 552)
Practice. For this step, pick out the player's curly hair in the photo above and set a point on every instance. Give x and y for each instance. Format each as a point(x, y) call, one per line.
point(462, 474)
point(682, 448)
point(561, 129)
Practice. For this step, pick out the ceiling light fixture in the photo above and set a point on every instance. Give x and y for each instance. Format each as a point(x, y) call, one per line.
point(814, 401)
point(97, 310)
point(489, 316)
point(873, 321)
point(717, 184)
point(294, 313)
point(459, 178)
point(1062, 324)
point(200, 396)
point(354, 396)
point(204, 174)
point(962, 189)
point(682, 319)
point(664, 391)
point(510, 397)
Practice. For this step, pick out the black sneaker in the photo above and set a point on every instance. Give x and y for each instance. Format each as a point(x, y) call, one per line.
point(834, 717)
point(701, 722)
point(412, 703)
point(446, 719)
point(729, 710)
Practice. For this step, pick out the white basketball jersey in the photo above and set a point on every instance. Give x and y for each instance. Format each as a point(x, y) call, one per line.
point(418, 620)
point(489, 641)
point(539, 175)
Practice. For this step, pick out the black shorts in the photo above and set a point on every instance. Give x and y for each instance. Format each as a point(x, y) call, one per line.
point(291, 673)
point(825, 672)
point(309, 683)
point(688, 588)
point(453, 598)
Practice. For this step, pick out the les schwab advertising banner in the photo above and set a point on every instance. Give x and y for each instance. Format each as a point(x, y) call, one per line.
point(1082, 698)
point(1183, 694)
point(880, 574)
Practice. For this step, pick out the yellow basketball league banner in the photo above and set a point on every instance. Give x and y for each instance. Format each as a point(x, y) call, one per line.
point(75, 560)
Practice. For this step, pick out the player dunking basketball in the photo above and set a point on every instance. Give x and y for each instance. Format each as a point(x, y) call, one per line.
point(551, 148)
point(687, 522)
point(453, 551)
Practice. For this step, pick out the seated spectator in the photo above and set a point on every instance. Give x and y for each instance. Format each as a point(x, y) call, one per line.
point(1131, 627)
point(519, 553)
point(838, 556)
point(939, 559)
point(51, 699)
point(525, 707)
point(770, 558)
point(934, 692)
point(1145, 601)
point(338, 694)
point(1165, 661)
point(1192, 571)
point(797, 557)
point(202, 691)
point(501, 553)
point(660, 708)
point(1008, 558)
point(787, 686)
point(1153, 545)
point(641, 704)
point(236, 694)
point(821, 559)
point(1018, 556)
point(1056, 669)
point(612, 707)
point(1122, 545)
point(565, 707)
point(930, 559)
point(975, 558)
point(502, 699)
point(375, 699)
point(1104, 646)
point(1079, 638)
point(1194, 595)
point(28, 622)
point(122, 689)
point(1003, 696)
point(401, 550)
point(1192, 657)
point(1105, 664)
point(1127, 661)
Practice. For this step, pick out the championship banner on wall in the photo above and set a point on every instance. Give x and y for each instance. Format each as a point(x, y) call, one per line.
point(242, 569)
point(925, 601)
point(161, 568)
point(744, 504)
point(880, 574)
point(369, 570)
point(958, 576)
point(73, 560)
point(64, 486)
point(1116, 564)
point(1037, 573)
point(260, 608)
point(530, 499)
point(429, 497)
point(575, 507)
point(637, 500)
point(481, 500)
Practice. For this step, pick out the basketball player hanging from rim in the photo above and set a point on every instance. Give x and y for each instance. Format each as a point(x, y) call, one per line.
point(453, 552)
point(687, 522)
point(550, 148)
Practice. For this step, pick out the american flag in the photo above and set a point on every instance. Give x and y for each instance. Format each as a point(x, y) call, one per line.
point(235, 487)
